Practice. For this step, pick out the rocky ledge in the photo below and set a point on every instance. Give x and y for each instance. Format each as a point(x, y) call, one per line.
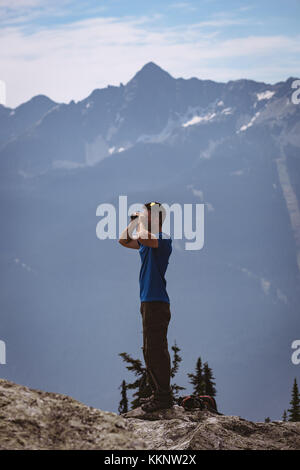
point(34, 419)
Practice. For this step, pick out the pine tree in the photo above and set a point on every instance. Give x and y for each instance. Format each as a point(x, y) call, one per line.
point(176, 359)
point(197, 379)
point(209, 383)
point(141, 385)
point(284, 416)
point(123, 406)
point(267, 420)
point(294, 411)
point(174, 369)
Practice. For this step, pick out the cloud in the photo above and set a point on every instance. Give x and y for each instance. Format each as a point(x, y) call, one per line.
point(265, 285)
point(22, 265)
point(281, 296)
point(17, 4)
point(199, 193)
point(210, 207)
point(237, 172)
point(196, 192)
point(28, 12)
point(69, 60)
point(182, 5)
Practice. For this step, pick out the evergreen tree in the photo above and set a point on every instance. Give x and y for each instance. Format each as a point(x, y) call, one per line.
point(267, 420)
point(197, 379)
point(174, 369)
point(294, 411)
point(123, 406)
point(142, 386)
point(209, 383)
point(176, 359)
point(284, 416)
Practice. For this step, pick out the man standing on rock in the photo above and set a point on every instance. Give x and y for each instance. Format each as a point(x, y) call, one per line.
point(155, 248)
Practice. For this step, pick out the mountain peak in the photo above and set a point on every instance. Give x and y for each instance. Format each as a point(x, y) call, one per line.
point(151, 66)
point(151, 71)
point(37, 100)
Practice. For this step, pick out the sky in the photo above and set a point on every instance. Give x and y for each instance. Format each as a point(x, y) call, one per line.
point(65, 49)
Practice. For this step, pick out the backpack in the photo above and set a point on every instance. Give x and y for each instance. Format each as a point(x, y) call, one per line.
point(202, 402)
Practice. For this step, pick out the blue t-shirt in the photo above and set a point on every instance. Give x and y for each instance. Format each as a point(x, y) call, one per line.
point(154, 265)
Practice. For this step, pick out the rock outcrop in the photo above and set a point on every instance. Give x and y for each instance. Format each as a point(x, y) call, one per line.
point(34, 419)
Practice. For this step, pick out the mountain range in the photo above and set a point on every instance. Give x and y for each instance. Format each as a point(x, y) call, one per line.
point(70, 302)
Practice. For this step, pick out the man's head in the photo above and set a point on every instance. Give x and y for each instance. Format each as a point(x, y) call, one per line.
point(156, 216)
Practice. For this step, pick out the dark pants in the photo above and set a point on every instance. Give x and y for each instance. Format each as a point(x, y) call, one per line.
point(156, 317)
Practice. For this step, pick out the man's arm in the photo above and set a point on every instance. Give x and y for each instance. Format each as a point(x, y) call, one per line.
point(125, 238)
point(145, 237)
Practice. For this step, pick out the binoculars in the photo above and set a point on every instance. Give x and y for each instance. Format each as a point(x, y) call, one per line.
point(134, 216)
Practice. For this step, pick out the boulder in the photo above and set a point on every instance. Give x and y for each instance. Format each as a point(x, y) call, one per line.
point(35, 419)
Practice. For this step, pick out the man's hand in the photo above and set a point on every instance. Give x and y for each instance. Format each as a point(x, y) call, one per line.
point(135, 215)
point(126, 238)
point(143, 235)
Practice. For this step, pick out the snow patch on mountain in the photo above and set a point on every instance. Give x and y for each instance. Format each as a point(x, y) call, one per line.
point(87, 107)
point(197, 119)
point(227, 111)
point(207, 153)
point(111, 131)
point(96, 150)
point(250, 123)
point(193, 115)
point(265, 95)
point(165, 133)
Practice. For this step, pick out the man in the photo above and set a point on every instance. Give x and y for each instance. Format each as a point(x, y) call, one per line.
point(155, 248)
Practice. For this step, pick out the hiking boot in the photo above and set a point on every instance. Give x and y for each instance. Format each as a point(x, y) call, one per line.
point(145, 400)
point(157, 404)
